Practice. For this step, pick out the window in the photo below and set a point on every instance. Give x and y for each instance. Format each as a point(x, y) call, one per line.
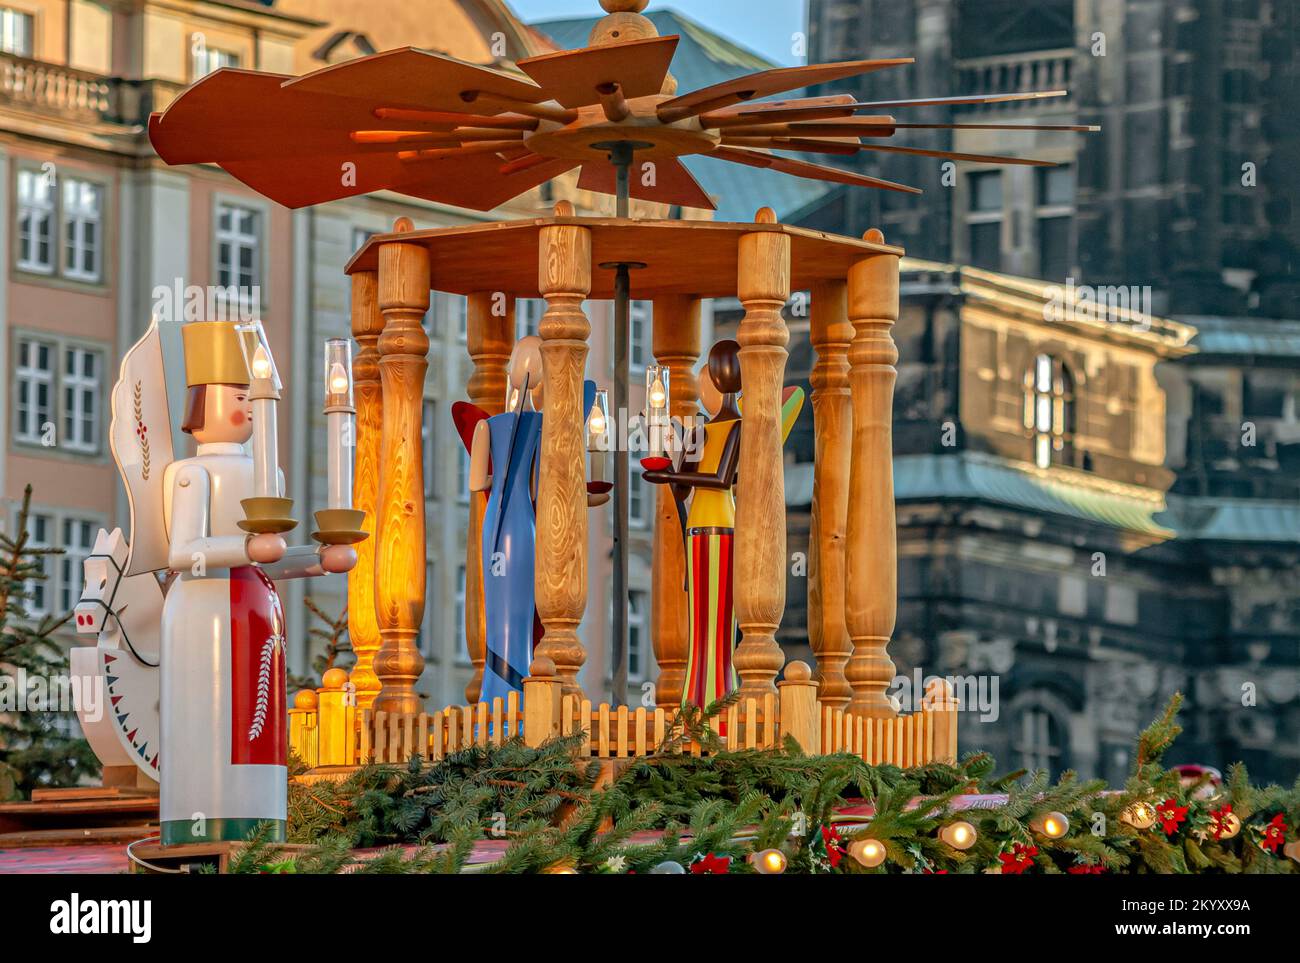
point(35, 215)
point(360, 235)
point(639, 319)
point(1040, 737)
point(458, 309)
point(78, 540)
point(528, 316)
point(984, 219)
point(82, 229)
point(462, 474)
point(1055, 213)
point(34, 383)
point(16, 32)
point(239, 251)
point(205, 60)
point(38, 590)
point(78, 209)
point(636, 492)
point(636, 640)
point(428, 439)
point(1049, 410)
point(58, 385)
point(462, 646)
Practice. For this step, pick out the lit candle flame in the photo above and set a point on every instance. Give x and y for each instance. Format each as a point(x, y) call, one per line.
point(261, 363)
point(338, 379)
point(658, 398)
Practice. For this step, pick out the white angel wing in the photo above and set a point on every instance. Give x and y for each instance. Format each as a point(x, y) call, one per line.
point(141, 440)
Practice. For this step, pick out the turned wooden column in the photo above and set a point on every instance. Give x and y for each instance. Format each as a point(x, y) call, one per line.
point(400, 550)
point(871, 572)
point(564, 280)
point(763, 285)
point(363, 623)
point(832, 407)
point(677, 345)
point(490, 326)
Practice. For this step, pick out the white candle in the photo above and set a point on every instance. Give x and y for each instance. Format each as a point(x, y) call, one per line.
point(340, 417)
point(264, 390)
point(656, 404)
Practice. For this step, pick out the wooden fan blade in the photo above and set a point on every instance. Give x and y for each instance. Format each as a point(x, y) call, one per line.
point(571, 77)
point(471, 181)
point(410, 77)
point(316, 179)
point(976, 99)
point(449, 120)
point(872, 126)
point(1077, 128)
point(673, 184)
point(765, 83)
point(835, 105)
point(954, 155)
point(800, 144)
point(815, 172)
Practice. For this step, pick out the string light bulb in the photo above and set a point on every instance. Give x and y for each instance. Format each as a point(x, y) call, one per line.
point(868, 852)
point(261, 363)
point(959, 834)
point(658, 397)
point(338, 379)
point(1140, 815)
point(770, 862)
point(1053, 825)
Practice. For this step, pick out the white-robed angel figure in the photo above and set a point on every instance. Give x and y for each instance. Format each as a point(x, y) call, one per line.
point(223, 712)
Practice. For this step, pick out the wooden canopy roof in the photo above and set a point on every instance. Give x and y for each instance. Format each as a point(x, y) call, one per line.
point(697, 258)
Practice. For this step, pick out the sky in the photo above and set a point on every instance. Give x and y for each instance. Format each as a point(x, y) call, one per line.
point(764, 26)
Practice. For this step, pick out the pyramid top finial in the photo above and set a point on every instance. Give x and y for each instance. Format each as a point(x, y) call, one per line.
point(624, 6)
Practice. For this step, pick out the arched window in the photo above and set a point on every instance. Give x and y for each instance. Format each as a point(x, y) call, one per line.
point(1049, 410)
point(1040, 737)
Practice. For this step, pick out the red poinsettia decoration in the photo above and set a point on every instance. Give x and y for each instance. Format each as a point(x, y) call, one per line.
point(1219, 820)
point(1170, 815)
point(1086, 869)
point(1274, 834)
point(711, 865)
point(834, 844)
point(934, 872)
point(1018, 860)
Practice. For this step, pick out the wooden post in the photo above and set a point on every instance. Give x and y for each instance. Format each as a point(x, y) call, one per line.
point(677, 345)
point(799, 714)
point(941, 704)
point(542, 700)
point(832, 425)
point(564, 280)
point(490, 334)
point(337, 721)
point(363, 622)
point(303, 730)
point(871, 568)
point(400, 547)
point(763, 285)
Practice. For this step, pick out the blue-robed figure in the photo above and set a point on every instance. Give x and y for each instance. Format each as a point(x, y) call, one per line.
point(504, 462)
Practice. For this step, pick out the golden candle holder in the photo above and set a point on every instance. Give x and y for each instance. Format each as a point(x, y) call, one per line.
point(266, 515)
point(340, 526)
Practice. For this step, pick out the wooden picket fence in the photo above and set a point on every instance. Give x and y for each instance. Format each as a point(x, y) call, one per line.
point(326, 731)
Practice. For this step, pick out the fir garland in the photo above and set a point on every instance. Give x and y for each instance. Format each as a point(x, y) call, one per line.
point(713, 814)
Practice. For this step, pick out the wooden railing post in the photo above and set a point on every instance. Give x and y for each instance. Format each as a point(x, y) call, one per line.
point(871, 567)
point(832, 425)
point(363, 623)
point(490, 334)
point(543, 693)
point(400, 547)
point(763, 285)
point(941, 704)
point(337, 720)
point(564, 280)
point(799, 715)
point(303, 728)
point(677, 345)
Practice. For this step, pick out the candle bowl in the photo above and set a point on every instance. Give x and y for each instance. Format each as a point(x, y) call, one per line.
point(340, 526)
point(656, 462)
point(265, 515)
point(599, 487)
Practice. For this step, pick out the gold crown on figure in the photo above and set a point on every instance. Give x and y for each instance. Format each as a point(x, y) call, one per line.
point(213, 355)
